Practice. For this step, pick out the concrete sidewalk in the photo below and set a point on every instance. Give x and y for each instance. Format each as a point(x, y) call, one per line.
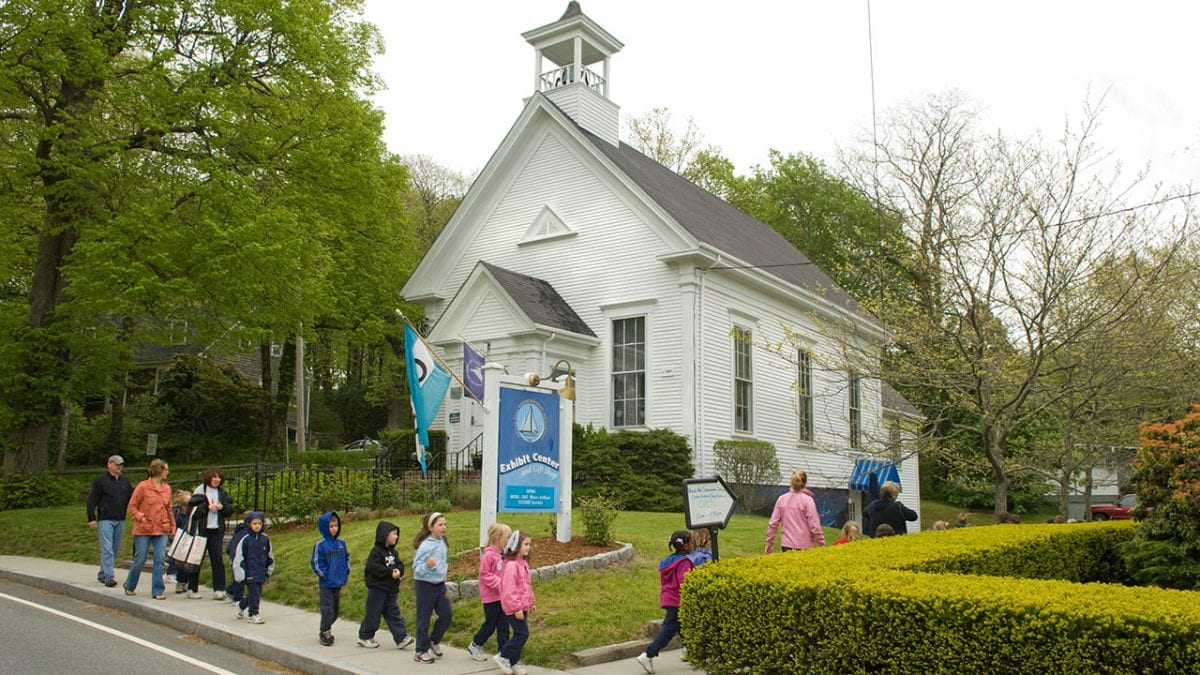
point(289, 636)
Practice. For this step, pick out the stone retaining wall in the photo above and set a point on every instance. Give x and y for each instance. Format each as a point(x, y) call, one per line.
point(470, 589)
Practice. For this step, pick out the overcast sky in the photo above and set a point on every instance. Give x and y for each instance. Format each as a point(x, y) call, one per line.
point(795, 75)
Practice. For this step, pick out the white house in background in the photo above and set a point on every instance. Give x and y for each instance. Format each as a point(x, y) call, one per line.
point(662, 297)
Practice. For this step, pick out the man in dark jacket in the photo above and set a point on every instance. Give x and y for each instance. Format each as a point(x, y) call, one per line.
point(106, 506)
point(887, 509)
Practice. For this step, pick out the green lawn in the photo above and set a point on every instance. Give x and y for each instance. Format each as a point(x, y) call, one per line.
point(584, 610)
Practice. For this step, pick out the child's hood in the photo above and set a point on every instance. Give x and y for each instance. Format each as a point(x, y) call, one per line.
point(323, 524)
point(381, 533)
point(673, 559)
point(251, 515)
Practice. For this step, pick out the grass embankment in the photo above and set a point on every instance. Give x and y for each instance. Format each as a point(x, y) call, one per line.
point(584, 610)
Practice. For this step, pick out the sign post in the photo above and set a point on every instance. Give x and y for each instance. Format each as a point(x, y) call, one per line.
point(526, 451)
point(707, 503)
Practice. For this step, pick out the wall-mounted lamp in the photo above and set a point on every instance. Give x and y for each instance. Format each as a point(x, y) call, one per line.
point(568, 390)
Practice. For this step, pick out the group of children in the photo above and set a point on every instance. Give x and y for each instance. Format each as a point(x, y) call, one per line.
point(504, 588)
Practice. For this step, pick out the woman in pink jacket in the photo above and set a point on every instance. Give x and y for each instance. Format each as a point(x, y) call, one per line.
point(796, 512)
point(150, 508)
point(516, 599)
point(491, 564)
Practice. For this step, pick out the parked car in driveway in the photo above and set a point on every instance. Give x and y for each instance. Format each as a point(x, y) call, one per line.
point(1118, 510)
point(363, 445)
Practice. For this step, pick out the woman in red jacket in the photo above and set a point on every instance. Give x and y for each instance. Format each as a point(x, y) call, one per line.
point(150, 508)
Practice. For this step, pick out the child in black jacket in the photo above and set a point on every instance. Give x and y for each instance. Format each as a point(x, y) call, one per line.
point(253, 563)
point(382, 573)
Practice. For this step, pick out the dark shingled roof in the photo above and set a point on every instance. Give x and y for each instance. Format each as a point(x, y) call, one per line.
point(538, 299)
point(894, 400)
point(714, 221)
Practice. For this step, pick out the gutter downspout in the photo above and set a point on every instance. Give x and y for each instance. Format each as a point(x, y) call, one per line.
point(544, 343)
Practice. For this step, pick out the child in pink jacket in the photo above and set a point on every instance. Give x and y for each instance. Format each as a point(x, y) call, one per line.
point(516, 599)
point(491, 563)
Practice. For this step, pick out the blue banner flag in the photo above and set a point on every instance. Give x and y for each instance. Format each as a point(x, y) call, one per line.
point(428, 381)
point(473, 371)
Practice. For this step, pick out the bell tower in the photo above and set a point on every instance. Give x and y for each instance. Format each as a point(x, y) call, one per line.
point(578, 83)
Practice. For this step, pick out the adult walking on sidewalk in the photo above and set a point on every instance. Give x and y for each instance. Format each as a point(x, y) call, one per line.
point(106, 506)
point(213, 506)
point(150, 507)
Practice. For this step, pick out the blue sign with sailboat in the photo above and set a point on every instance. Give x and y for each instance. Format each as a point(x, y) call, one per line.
point(528, 455)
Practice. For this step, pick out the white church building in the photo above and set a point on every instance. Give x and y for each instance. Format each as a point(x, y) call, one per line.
point(673, 308)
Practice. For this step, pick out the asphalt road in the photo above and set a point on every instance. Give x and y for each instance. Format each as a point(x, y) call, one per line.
point(43, 632)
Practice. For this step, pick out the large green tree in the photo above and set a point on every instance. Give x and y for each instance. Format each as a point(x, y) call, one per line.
point(172, 162)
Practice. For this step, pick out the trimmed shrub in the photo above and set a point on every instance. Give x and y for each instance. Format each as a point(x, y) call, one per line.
point(745, 465)
point(643, 470)
point(36, 490)
point(930, 603)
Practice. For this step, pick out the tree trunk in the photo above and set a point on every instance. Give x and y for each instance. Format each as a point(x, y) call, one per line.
point(64, 429)
point(993, 449)
point(116, 423)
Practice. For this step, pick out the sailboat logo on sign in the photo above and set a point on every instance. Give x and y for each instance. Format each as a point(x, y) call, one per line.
point(531, 421)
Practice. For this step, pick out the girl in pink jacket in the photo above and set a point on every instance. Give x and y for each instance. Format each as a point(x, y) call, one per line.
point(516, 599)
point(491, 563)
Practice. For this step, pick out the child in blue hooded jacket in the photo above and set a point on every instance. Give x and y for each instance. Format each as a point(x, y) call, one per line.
point(331, 562)
point(253, 563)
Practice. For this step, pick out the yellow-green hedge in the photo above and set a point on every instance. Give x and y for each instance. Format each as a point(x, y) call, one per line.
point(1000, 599)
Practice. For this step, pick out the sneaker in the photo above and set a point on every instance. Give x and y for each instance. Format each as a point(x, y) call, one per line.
point(436, 649)
point(180, 587)
point(111, 583)
point(241, 613)
point(161, 596)
point(235, 601)
point(476, 652)
point(518, 670)
point(256, 618)
point(218, 595)
point(326, 638)
point(505, 666)
point(406, 642)
point(169, 579)
point(423, 657)
point(369, 643)
point(194, 595)
point(647, 662)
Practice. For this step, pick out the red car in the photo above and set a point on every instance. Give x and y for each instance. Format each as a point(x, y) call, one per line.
point(1118, 510)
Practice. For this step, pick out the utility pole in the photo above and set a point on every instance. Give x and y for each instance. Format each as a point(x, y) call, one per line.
point(301, 408)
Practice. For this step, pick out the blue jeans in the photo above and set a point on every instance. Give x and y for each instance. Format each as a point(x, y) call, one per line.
point(142, 542)
point(670, 627)
point(110, 532)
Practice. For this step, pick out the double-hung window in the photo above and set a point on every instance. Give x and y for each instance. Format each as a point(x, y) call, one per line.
point(743, 380)
point(629, 372)
point(855, 411)
point(804, 394)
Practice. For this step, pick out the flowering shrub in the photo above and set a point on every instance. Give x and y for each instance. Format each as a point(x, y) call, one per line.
point(1166, 477)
